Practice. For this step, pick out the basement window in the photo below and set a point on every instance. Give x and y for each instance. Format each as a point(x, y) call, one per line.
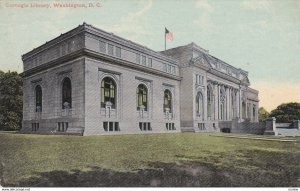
point(145, 126)
point(111, 126)
point(170, 126)
point(62, 126)
point(201, 126)
point(35, 126)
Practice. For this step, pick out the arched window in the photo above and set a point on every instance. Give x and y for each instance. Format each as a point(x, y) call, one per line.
point(222, 105)
point(209, 101)
point(142, 97)
point(38, 99)
point(108, 92)
point(66, 94)
point(167, 101)
point(199, 105)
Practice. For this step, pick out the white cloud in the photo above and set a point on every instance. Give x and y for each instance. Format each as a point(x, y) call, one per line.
point(144, 10)
point(256, 5)
point(204, 20)
point(130, 23)
point(204, 5)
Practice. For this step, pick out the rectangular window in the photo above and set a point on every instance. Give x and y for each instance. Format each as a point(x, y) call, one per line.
point(199, 79)
point(201, 126)
point(35, 126)
point(111, 126)
point(150, 62)
point(149, 127)
point(105, 126)
point(170, 126)
point(118, 52)
point(145, 126)
point(117, 126)
point(62, 126)
point(63, 49)
point(138, 59)
point(110, 49)
point(144, 60)
point(102, 47)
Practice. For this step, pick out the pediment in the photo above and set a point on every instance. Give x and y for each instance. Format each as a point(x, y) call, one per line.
point(245, 80)
point(202, 62)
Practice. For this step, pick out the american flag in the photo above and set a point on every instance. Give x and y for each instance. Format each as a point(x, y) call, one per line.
point(168, 34)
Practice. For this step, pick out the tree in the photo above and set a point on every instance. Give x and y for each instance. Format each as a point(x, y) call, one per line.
point(287, 112)
point(262, 114)
point(11, 100)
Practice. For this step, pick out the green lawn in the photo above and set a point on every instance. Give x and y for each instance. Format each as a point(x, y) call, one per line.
point(181, 159)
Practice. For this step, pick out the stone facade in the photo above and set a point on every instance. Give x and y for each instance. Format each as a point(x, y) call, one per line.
point(88, 82)
point(220, 90)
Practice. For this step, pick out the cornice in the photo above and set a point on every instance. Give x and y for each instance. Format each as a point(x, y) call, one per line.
point(76, 31)
point(127, 43)
point(117, 61)
point(89, 29)
point(223, 75)
point(69, 57)
point(91, 54)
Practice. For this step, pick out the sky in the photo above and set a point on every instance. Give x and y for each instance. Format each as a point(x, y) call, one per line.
point(261, 37)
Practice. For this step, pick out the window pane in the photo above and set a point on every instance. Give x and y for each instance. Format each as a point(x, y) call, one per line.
point(149, 62)
point(102, 47)
point(108, 91)
point(138, 58)
point(117, 126)
point(142, 96)
point(66, 93)
point(144, 60)
point(38, 98)
point(111, 126)
point(110, 49)
point(105, 126)
point(118, 52)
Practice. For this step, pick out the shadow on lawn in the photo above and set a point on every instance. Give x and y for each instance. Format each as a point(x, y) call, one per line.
point(191, 174)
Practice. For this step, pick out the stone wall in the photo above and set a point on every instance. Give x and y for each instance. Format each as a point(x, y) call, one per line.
point(126, 113)
point(52, 112)
point(245, 127)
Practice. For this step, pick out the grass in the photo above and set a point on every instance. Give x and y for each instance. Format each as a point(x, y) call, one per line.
point(241, 162)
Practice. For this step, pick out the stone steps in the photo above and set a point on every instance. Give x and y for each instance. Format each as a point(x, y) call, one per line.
point(187, 129)
point(75, 130)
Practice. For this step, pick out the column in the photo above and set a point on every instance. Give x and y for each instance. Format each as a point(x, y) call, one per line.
point(204, 104)
point(216, 97)
point(219, 92)
point(227, 103)
point(237, 104)
point(240, 104)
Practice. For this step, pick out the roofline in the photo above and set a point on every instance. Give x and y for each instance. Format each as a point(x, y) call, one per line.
point(84, 28)
point(194, 45)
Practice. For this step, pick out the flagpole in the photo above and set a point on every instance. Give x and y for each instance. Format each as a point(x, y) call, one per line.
point(165, 40)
